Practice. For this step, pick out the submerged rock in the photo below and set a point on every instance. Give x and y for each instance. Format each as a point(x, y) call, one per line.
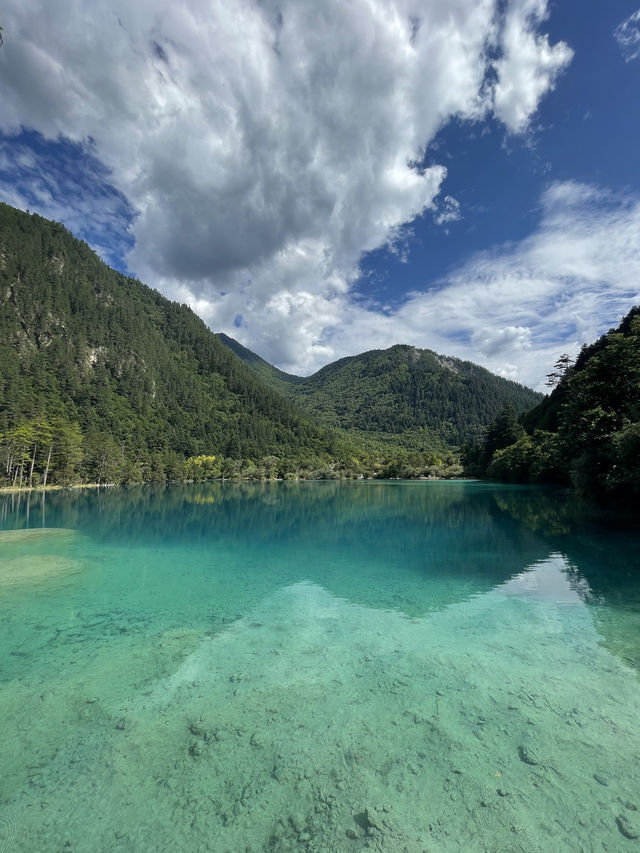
point(626, 827)
point(36, 569)
point(198, 730)
point(14, 537)
point(529, 754)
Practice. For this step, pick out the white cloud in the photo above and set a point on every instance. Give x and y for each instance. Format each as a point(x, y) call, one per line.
point(491, 341)
point(515, 309)
point(627, 34)
point(448, 211)
point(528, 66)
point(271, 143)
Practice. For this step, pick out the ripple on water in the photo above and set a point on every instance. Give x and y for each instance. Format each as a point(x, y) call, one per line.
point(8, 831)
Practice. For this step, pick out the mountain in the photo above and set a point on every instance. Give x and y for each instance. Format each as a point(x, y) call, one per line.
point(277, 379)
point(104, 379)
point(408, 395)
point(84, 346)
point(587, 432)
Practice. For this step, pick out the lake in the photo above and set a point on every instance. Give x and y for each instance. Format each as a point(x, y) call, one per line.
point(390, 666)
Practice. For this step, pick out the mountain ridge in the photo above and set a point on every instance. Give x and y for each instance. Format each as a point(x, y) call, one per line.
point(82, 342)
point(398, 390)
point(119, 382)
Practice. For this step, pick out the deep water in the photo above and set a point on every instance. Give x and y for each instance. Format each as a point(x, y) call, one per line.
point(323, 666)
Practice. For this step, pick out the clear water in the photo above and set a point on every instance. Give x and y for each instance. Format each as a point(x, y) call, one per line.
point(317, 666)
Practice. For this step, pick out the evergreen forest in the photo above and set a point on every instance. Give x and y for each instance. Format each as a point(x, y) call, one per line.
point(402, 394)
point(104, 380)
point(585, 434)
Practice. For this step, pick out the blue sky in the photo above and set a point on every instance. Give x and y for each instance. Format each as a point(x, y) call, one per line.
point(317, 179)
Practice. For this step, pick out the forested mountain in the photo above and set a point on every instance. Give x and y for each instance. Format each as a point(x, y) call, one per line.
point(99, 360)
point(408, 393)
point(104, 379)
point(587, 432)
point(277, 379)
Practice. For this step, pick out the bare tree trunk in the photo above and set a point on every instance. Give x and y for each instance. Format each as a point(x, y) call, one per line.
point(33, 462)
point(46, 470)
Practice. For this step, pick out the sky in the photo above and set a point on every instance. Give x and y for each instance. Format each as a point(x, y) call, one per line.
point(317, 178)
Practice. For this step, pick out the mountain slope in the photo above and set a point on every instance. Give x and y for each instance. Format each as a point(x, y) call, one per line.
point(270, 375)
point(82, 342)
point(402, 391)
point(587, 432)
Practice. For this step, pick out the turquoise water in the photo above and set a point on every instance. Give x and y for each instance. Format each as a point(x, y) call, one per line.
point(318, 666)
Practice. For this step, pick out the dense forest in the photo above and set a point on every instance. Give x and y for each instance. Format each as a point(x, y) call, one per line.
point(104, 380)
point(409, 395)
point(586, 433)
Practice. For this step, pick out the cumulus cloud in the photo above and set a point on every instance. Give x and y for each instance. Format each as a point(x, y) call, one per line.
point(627, 34)
point(516, 308)
point(528, 66)
point(265, 146)
point(491, 341)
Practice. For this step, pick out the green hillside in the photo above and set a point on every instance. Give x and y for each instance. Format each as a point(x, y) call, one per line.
point(411, 396)
point(587, 432)
point(103, 379)
point(100, 358)
point(277, 379)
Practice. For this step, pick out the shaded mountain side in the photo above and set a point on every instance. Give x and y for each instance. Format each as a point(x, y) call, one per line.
point(411, 394)
point(83, 343)
point(587, 432)
point(277, 379)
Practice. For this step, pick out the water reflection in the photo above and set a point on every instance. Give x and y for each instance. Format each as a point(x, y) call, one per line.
point(413, 547)
point(345, 536)
point(551, 580)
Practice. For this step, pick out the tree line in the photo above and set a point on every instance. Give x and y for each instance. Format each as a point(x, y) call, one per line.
point(585, 434)
point(104, 380)
point(54, 451)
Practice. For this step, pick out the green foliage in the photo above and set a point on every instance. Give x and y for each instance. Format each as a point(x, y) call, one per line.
point(587, 432)
point(135, 378)
point(203, 467)
point(502, 432)
point(409, 397)
point(104, 380)
point(512, 463)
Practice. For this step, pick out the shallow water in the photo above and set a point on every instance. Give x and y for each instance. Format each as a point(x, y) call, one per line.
point(318, 666)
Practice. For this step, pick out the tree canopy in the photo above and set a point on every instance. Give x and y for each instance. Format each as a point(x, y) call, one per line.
point(587, 432)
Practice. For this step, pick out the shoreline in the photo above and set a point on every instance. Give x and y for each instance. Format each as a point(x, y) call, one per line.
point(19, 489)
point(15, 490)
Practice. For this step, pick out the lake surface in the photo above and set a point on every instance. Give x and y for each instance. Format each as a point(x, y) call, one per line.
point(326, 666)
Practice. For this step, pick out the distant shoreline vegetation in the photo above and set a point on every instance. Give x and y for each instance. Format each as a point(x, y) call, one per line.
point(43, 453)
